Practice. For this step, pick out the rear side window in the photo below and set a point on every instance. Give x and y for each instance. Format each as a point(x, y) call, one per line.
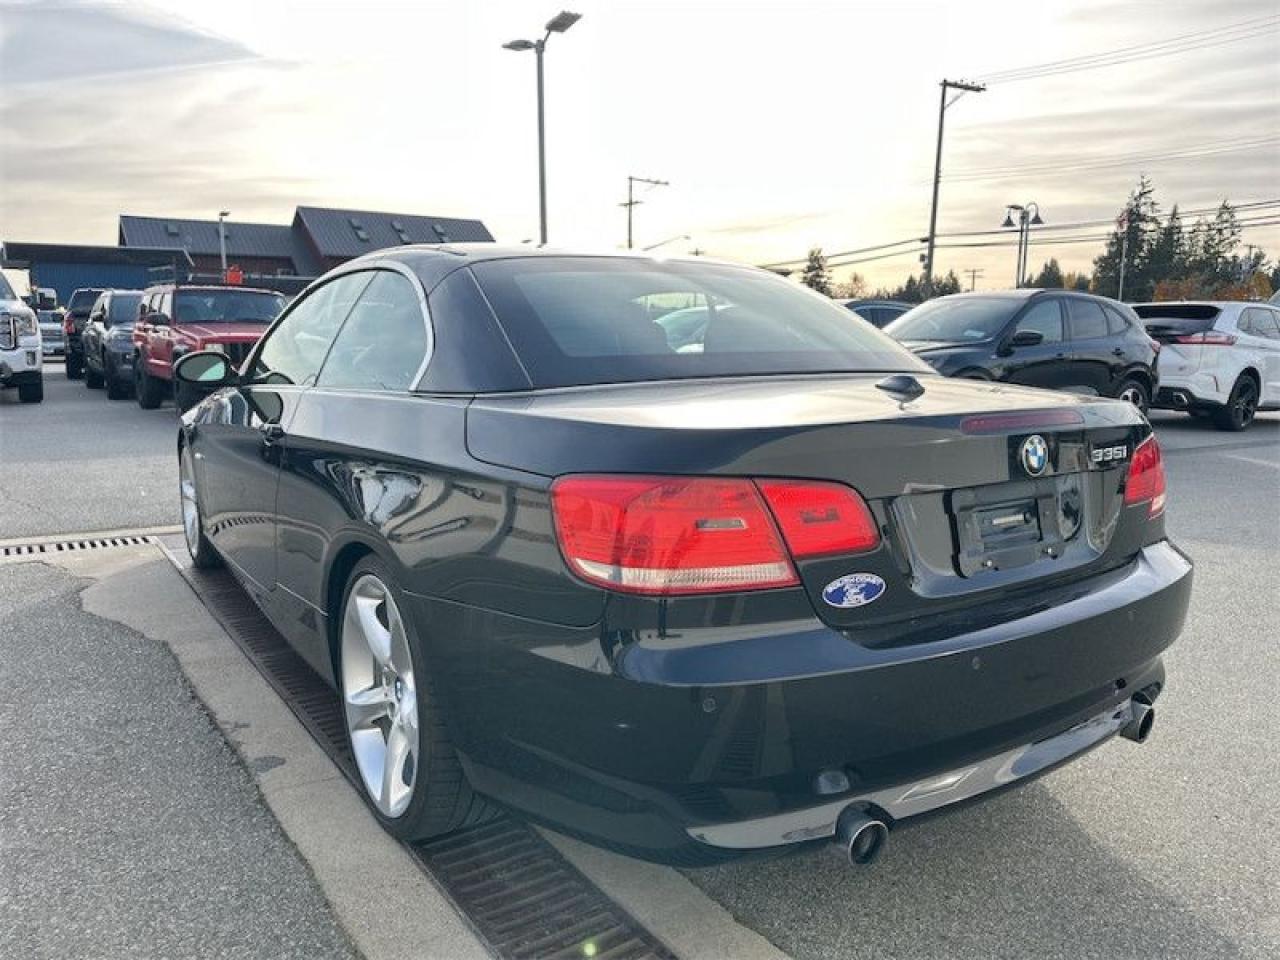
point(1116, 322)
point(580, 320)
point(1088, 322)
point(1260, 323)
point(384, 341)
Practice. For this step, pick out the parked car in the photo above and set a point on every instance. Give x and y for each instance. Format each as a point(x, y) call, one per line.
point(1220, 359)
point(108, 342)
point(174, 320)
point(880, 313)
point(73, 321)
point(21, 356)
point(1039, 338)
point(53, 341)
point(791, 587)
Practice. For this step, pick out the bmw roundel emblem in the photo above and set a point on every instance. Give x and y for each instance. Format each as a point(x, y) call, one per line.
point(1034, 455)
point(853, 590)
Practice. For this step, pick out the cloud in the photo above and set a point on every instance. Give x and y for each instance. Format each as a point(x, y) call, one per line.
point(49, 41)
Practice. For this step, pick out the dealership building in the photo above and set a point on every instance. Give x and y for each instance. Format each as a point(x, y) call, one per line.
point(283, 256)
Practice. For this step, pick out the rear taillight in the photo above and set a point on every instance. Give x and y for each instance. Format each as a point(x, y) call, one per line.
point(820, 519)
point(682, 535)
point(68, 324)
point(1145, 483)
point(1210, 338)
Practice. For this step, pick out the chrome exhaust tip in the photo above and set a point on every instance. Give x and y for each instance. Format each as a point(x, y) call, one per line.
point(1141, 719)
point(860, 838)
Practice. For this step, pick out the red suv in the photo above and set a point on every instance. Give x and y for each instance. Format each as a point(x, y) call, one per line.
point(176, 319)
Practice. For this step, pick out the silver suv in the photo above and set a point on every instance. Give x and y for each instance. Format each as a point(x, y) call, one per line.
point(21, 360)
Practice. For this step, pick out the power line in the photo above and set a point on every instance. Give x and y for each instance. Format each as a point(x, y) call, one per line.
point(1101, 163)
point(1185, 43)
point(876, 248)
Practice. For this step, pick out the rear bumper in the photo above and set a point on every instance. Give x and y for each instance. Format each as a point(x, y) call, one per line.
point(1186, 392)
point(544, 722)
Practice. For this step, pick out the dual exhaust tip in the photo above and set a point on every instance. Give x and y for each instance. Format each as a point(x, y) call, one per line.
point(861, 838)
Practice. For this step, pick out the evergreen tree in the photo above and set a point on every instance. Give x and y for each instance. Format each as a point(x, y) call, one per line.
point(817, 275)
point(1050, 276)
point(1129, 240)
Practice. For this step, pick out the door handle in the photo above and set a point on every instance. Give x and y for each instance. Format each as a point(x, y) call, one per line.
point(1117, 352)
point(271, 432)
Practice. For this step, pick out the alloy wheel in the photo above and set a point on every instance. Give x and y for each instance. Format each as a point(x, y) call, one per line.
point(379, 695)
point(1133, 394)
point(1245, 404)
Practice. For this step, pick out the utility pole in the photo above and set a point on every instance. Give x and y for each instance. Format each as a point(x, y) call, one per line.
point(631, 202)
point(1124, 252)
point(974, 273)
point(963, 88)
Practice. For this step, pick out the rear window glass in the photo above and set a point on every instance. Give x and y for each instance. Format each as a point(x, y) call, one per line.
point(124, 308)
point(1177, 311)
point(83, 300)
point(580, 320)
point(226, 306)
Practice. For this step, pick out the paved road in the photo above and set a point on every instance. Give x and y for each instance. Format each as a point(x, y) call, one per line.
point(128, 828)
point(79, 462)
point(1168, 849)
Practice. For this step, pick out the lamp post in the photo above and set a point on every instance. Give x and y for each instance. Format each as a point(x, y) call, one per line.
point(963, 88)
point(222, 238)
point(561, 22)
point(1028, 217)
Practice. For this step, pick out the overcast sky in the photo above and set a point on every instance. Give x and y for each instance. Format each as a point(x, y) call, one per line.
point(780, 125)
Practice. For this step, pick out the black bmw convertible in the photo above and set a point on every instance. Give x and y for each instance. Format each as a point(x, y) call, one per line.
point(757, 579)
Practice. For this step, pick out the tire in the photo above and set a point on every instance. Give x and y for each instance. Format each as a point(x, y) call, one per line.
point(92, 379)
point(1241, 406)
point(380, 692)
point(1136, 392)
point(31, 392)
point(149, 390)
point(75, 368)
point(117, 388)
point(203, 554)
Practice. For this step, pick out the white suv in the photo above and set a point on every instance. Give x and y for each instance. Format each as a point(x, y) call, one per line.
point(1217, 358)
point(21, 362)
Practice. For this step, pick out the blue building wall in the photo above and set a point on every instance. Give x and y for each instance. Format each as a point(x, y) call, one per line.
point(67, 277)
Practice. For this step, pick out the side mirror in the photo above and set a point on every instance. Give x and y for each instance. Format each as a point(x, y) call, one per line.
point(205, 368)
point(1026, 338)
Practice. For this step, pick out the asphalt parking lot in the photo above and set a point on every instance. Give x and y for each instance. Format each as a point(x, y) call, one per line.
point(1165, 849)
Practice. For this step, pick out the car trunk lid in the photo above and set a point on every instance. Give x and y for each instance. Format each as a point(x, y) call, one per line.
point(961, 507)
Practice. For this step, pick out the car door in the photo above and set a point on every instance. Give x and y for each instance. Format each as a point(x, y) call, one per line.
point(1043, 364)
point(242, 433)
point(1094, 358)
point(92, 336)
point(1263, 333)
point(336, 478)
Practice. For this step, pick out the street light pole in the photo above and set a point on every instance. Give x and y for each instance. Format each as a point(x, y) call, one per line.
point(561, 22)
point(964, 88)
point(632, 202)
point(222, 239)
point(1028, 217)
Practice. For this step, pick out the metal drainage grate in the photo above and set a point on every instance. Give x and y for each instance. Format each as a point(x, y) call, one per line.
point(521, 896)
point(27, 551)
